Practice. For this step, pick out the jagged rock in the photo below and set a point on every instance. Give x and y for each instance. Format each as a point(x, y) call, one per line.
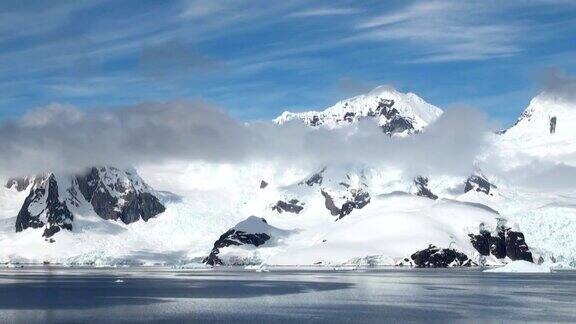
point(506, 243)
point(349, 116)
point(346, 209)
point(110, 192)
point(115, 194)
point(44, 207)
point(516, 247)
point(481, 242)
point(498, 245)
point(234, 237)
point(553, 125)
point(292, 206)
point(329, 203)
point(478, 183)
point(396, 123)
point(359, 200)
point(263, 184)
point(315, 179)
point(421, 184)
point(434, 257)
point(252, 231)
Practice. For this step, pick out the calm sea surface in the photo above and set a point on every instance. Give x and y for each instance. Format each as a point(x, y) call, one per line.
point(70, 295)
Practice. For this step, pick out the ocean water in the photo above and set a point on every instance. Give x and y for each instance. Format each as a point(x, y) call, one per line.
point(71, 295)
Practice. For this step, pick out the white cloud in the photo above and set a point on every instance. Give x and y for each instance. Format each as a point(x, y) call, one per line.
point(324, 11)
point(61, 138)
point(441, 31)
point(201, 9)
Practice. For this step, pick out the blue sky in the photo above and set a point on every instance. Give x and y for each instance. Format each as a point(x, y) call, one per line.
point(258, 58)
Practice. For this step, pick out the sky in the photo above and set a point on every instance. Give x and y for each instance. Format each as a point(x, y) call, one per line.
point(255, 59)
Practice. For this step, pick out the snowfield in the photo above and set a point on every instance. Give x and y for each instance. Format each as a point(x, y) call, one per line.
point(330, 215)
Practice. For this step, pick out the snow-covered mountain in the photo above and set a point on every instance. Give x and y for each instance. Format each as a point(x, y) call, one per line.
point(356, 214)
point(396, 112)
point(108, 192)
point(546, 129)
point(240, 239)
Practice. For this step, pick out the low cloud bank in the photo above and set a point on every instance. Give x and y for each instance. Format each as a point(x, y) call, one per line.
point(63, 138)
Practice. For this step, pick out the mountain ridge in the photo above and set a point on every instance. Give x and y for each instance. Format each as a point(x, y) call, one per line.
point(396, 112)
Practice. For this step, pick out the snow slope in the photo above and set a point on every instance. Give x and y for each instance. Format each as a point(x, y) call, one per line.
point(546, 129)
point(389, 229)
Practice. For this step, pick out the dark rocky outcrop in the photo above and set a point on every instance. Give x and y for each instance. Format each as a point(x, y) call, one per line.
point(315, 179)
point(422, 190)
point(234, 237)
point(112, 193)
point(516, 247)
point(44, 201)
point(504, 243)
point(263, 184)
point(383, 108)
point(434, 257)
point(241, 234)
point(104, 195)
point(360, 199)
point(292, 206)
point(329, 203)
point(478, 183)
point(553, 125)
point(349, 116)
point(315, 121)
point(481, 242)
point(397, 125)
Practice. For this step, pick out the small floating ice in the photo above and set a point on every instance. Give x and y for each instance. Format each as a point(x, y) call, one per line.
point(119, 280)
point(257, 268)
point(521, 266)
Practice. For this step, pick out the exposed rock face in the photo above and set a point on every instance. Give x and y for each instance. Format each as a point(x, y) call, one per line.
point(481, 242)
point(553, 125)
point(359, 200)
point(505, 243)
point(516, 247)
point(329, 203)
point(112, 194)
point(253, 231)
point(315, 179)
point(434, 257)
point(396, 122)
point(119, 195)
point(478, 183)
point(234, 237)
point(44, 207)
point(263, 184)
point(421, 184)
point(292, 206)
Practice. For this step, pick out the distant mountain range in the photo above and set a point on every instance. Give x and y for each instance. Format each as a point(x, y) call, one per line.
point(338, 214)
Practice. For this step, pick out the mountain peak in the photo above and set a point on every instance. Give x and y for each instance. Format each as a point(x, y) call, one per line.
point(546, 127)
point(396, 112)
